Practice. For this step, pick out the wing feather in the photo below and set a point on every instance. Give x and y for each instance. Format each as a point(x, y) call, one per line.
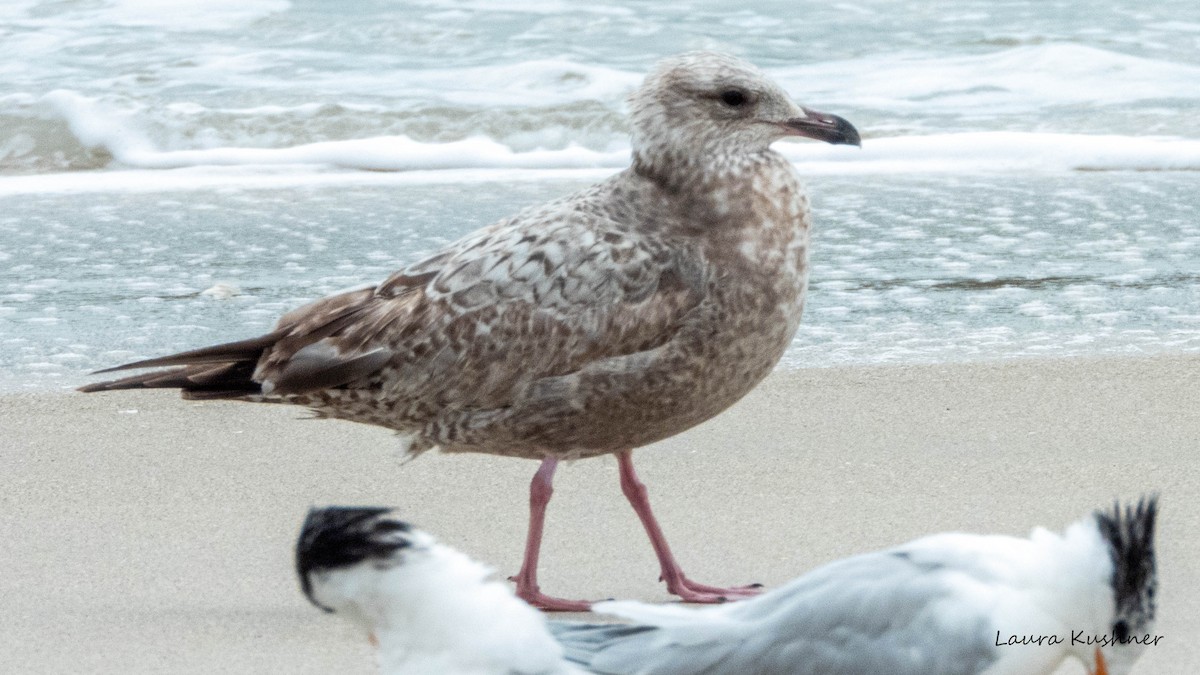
point(553, 290)
point(875, 613)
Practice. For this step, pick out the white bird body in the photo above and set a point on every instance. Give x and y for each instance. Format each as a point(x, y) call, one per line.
point(946, 604)
point(430, 609)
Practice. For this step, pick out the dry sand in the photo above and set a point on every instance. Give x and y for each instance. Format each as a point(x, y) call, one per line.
point(146, 534)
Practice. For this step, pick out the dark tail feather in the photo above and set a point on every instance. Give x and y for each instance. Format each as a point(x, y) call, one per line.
point(304, 363)
point(220, 371)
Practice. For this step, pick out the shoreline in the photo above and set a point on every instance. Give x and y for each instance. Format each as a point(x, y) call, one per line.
point(784, 369)
point(156, 533)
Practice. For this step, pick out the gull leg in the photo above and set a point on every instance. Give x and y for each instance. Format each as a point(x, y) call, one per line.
point(672, 573)
point(541, 488)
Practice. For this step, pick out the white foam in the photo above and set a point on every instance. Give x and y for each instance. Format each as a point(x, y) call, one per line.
point(531, 7)
point(1003, 81)
point(270, 178)
point(16, 9)
point(1000, 151)
point(481, 159)
point(532, 83)
point(387, 153)
point(221, 291)
point(186, 14)
point(538, 82)
point(99, 125)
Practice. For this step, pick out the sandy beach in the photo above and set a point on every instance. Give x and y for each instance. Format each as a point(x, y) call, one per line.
point(146, 534)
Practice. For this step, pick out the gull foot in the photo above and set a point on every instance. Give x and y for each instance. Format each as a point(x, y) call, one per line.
point(691, 591)
point(548, 603)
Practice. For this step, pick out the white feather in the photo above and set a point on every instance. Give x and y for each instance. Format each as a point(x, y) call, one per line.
point(933, 606)
point(434, 611)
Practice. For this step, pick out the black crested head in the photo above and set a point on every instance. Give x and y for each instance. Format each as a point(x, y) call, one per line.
point(1129, 533)
point(340, 536)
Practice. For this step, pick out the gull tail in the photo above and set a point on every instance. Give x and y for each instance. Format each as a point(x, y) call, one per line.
point(1129, 533)
point(323, 345)
point(220, 371)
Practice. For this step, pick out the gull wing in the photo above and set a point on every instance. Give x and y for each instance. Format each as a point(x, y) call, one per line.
point(886, 612)
point(543, 294)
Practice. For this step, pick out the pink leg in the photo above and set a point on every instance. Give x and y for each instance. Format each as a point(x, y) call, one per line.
point(541, 488)
point(672, 573)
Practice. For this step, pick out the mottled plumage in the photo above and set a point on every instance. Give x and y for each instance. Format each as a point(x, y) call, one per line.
point(601, 322)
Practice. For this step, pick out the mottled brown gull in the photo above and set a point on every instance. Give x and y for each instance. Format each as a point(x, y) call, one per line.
point(592, 325)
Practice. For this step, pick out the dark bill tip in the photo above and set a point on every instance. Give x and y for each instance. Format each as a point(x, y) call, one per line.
point(824, 127)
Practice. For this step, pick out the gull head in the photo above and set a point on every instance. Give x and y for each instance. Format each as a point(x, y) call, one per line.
point(709, 102)
point(1128, 535)
point(343, 553)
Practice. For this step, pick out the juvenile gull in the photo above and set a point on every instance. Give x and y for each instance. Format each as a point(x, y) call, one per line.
point(428, 609)
point(947, 604)
point(592, 325)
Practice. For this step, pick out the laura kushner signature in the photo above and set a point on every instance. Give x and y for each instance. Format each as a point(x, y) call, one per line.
point(1078, 637)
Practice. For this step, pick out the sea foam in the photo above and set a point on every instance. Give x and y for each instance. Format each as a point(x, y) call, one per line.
point(482, 159)
point(1005, 81)
point(184, 14)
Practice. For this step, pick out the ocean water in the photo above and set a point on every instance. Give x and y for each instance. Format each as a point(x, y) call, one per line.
point(175, 173)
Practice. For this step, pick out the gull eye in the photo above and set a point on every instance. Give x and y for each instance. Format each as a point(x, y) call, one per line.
point(1121, 629)
point(734, 98)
